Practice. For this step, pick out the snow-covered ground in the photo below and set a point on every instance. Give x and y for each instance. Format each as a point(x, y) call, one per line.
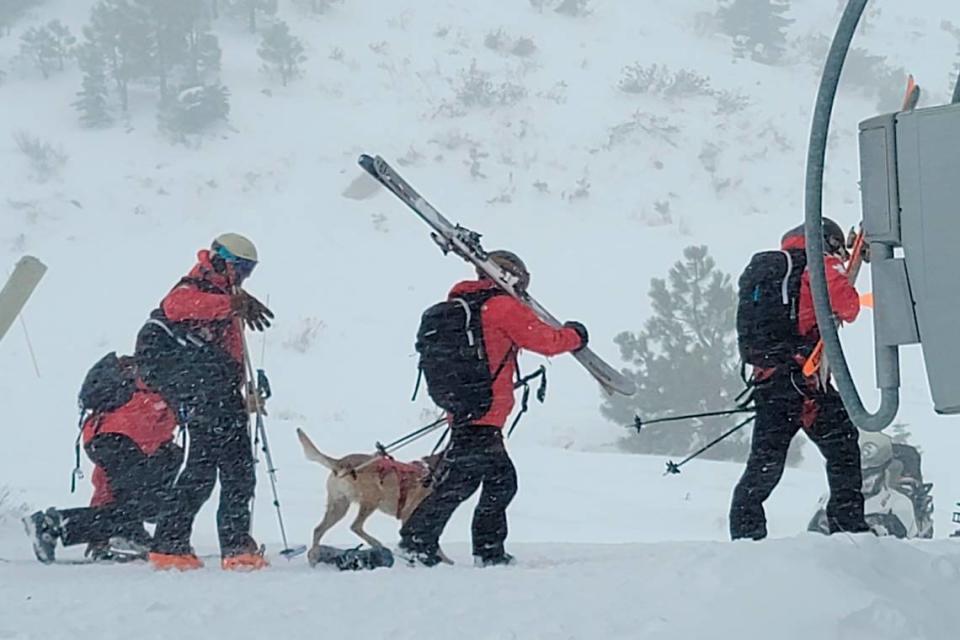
point(609, 547)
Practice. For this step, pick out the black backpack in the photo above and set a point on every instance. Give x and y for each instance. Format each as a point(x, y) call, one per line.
point(453, 359)
point(769, 297)
point(108, 385)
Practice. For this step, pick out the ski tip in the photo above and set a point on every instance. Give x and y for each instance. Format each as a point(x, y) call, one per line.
point(366, 162)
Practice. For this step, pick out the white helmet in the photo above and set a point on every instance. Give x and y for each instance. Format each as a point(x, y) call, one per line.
point(876, 449)
point(236, 244)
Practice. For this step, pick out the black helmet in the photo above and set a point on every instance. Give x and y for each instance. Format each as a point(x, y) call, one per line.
point(834, 240)
point(512, 263)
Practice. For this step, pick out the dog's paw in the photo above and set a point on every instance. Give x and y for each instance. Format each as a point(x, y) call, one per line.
point(313, 556)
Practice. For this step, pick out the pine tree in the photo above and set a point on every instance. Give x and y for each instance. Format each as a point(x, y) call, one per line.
point(47, 46)
point(685, 361)
point(250, 9)
point(169, 24)
point(37, 45)
point(63, 42)
point(121, 32)
point(13, 10)
point(758, 27)
point(92, 99)
point(282, 52)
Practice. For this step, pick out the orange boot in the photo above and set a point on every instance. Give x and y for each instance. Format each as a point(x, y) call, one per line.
point(179, 561)
point(244, 562)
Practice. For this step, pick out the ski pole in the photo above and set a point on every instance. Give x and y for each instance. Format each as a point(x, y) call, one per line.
point(263, 383)
point(387, 449)
point(639, 422)
point(741, 406)
point(674, 467)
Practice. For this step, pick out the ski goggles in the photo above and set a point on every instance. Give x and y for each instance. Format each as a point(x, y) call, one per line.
point(242, 267)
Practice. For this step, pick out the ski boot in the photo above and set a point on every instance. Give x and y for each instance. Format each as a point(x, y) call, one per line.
point(416, 555)
point(498, 560)
point(43, 529)
point(249, 558)
point(179, 561)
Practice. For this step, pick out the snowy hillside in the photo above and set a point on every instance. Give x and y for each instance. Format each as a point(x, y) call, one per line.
point(512, 121)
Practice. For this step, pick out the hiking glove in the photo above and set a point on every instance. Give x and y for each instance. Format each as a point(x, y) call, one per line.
point(581, 331)
point(252, 311)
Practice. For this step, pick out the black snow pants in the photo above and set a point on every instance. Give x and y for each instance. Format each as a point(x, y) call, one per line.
point(141, 485)
point(779, 404)
point(476, 456)
point(205, 384)
point(211, 452)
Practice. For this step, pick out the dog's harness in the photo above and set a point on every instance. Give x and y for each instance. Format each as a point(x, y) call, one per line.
point(408, 473)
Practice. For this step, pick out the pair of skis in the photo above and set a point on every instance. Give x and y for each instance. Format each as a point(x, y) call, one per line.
point(466, 244)
point(816, 363)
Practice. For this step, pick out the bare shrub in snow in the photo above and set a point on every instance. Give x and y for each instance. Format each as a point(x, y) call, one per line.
point(476, 156)
point(303, 339)
point(574, 8)
point(505, 196)
point(658, 127)
point(658, 80)
point(453, 139)
point(499, 41)
point(730, 102)
point(46, 160)
point(379, 221)
point(476, 89)
point(556, 94)
point(411, 157)
point(580, 191)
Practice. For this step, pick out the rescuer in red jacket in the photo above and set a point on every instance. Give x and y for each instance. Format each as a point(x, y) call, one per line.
point(191, 352)
point(136, 462)
point(476, 454)
point(786, 402)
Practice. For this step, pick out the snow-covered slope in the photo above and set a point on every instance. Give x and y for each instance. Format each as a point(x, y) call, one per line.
point(348, 279)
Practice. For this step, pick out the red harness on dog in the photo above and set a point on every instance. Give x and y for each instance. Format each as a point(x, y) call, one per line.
point(407, 474)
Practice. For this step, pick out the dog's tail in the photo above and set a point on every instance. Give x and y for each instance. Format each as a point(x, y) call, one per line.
point(315, 455)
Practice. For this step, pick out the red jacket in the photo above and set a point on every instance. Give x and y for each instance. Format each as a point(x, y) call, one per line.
point(207, 312)
point(844, 298)
point(146, 419)
point(508, 324)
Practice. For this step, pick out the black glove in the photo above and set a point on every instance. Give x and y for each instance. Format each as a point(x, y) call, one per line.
point(252, 311)
point(581, 331)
